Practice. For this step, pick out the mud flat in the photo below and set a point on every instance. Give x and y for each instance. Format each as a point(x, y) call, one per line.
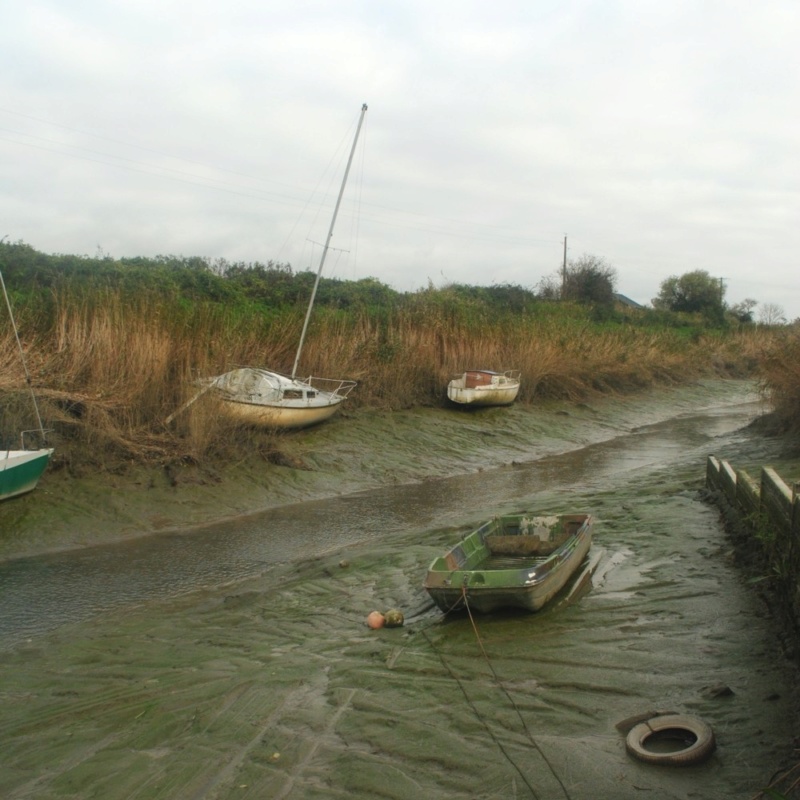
point(273, 686)
point(350, 453)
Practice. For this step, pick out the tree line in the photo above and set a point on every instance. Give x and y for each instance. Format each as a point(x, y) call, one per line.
point(592, 280)
point(586, 281)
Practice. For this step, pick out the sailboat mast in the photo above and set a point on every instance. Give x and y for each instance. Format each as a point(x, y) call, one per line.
point(22, 358)
point(328, 241)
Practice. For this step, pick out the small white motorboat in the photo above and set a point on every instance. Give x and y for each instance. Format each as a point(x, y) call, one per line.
point(483, 387)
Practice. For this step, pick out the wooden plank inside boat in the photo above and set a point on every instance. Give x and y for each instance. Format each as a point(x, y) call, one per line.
point(521, 545)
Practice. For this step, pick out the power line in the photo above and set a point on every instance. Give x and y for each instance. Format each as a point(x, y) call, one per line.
point(376, 213)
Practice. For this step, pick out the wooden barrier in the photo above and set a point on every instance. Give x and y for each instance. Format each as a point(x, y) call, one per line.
point(769, 511)
point(748, 494)
point(776, 498)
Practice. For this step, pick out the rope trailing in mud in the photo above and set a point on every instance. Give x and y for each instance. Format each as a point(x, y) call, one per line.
point(782, 776)
point(480, 718)
point(510, 700)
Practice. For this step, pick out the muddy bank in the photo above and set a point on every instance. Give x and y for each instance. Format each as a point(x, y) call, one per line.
point(349, 453)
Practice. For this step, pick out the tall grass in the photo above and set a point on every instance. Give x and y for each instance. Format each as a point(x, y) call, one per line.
point(780, 372)
point(109, 366)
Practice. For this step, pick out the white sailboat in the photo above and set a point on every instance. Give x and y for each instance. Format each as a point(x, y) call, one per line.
point(21, 469)
point(265, 398)
point(268, 399)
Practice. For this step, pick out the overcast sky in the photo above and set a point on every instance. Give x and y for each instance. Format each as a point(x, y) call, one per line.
point(659, 136)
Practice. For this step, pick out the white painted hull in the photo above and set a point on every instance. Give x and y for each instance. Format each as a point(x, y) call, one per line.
point(280, 417)
point(483, 395)
point(484, 388)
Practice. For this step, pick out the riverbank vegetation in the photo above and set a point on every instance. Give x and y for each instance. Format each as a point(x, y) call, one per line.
point(779, 369)
point(114, 347)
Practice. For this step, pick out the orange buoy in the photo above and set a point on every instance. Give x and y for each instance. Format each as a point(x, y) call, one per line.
point(375, 620)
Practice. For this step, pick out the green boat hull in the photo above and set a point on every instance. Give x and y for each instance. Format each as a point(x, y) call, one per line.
point(20, 470)
point(514, 561)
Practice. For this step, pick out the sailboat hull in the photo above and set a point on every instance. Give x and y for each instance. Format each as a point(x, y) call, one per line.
point(267, 399)
point(20, 470)
point(279, 417)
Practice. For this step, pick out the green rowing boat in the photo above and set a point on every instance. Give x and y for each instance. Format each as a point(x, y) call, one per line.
point(512, 561)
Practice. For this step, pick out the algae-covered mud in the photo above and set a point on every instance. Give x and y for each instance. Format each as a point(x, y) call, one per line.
point(368, 450)
point(258, 677)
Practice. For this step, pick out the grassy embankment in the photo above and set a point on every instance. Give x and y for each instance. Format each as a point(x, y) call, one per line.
point(114, 348)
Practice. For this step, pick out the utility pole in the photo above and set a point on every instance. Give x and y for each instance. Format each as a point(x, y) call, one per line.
point(564, 270)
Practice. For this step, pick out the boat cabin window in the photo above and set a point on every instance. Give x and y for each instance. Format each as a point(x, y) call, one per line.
point(299, 394)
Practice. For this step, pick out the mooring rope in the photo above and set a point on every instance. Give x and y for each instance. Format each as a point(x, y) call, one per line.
point(480, 718)
point(510, 699)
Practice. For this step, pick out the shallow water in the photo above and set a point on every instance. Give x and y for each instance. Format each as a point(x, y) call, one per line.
point(233, 661)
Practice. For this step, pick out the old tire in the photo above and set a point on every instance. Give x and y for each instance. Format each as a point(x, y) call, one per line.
point(693, 732)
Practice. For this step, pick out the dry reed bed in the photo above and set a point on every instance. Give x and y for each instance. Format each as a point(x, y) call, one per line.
point(108, 370)
point(780, 374)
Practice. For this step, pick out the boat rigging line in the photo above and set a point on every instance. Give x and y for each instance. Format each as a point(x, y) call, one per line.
point(328, 241)
point(22, 358)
